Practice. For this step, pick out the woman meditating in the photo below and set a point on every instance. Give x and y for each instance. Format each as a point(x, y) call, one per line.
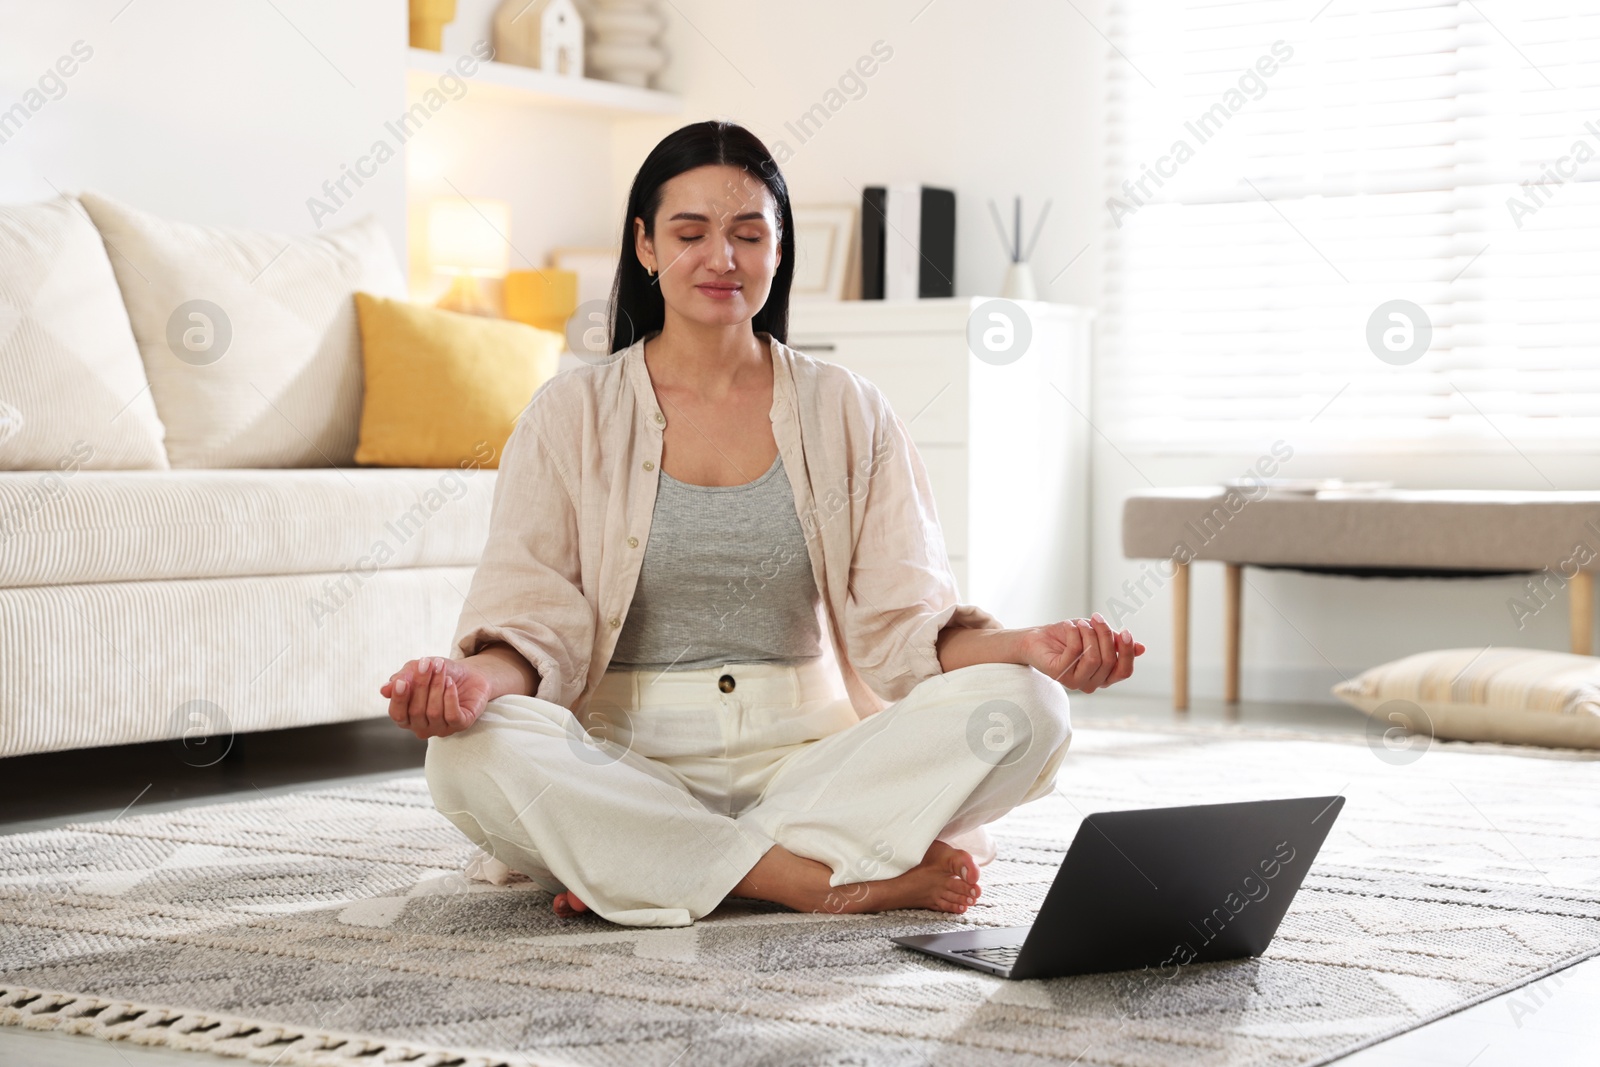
point(713, 647)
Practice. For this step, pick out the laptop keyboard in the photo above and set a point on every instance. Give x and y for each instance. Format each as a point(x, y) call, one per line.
point(1000, 955)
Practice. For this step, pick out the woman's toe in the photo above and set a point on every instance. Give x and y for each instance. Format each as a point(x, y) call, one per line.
point(961, 864)
point(954, 899)
point(568, 905)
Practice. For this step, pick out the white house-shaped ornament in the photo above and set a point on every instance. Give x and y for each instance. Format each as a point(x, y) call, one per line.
point(547, 34)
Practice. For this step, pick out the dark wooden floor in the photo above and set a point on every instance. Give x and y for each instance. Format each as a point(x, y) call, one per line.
point(46, 788)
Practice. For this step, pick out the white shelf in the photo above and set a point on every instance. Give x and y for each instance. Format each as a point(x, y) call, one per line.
point(526, 85)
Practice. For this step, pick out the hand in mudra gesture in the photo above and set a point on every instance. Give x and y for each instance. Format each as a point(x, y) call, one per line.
point(1082, 654)
point(436, 697)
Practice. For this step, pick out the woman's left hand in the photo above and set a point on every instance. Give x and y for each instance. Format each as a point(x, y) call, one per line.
point(1081, 654)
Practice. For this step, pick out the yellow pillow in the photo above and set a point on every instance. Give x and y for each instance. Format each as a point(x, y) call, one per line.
point(441, 385)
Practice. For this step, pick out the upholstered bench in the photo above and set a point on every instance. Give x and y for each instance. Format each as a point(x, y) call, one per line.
point(1389, 533)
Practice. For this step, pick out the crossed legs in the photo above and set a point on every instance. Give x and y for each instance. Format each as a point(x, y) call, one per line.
point(850, 822)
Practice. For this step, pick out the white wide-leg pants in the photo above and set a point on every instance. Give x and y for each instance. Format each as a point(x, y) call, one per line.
point(655, 806)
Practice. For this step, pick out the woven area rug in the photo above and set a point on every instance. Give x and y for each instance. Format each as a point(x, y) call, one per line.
point(331, 927)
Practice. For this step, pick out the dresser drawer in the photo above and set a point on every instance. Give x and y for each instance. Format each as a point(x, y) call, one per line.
point(924, 377)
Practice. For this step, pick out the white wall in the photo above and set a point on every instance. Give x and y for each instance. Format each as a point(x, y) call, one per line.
point(214, 113)
point(991, 100)
point(237, 114)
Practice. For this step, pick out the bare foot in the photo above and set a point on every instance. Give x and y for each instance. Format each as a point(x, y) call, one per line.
point(567, 905)
point(958, 862)
point(945, 880)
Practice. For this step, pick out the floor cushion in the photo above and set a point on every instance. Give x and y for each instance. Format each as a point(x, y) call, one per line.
point(1515, 695)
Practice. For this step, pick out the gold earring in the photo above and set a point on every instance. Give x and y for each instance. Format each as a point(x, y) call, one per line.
point(650, 271)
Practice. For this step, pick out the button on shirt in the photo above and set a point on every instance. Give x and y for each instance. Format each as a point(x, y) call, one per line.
point(576, 491)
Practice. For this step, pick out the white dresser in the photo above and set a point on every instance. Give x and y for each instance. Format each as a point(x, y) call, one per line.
point(1006, 445)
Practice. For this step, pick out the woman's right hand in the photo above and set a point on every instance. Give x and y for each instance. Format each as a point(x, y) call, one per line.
point(435, 696)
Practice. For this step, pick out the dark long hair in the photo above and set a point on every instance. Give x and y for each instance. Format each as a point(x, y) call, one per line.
point(637, 309)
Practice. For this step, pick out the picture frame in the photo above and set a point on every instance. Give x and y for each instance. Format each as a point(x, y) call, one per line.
point(825, 241)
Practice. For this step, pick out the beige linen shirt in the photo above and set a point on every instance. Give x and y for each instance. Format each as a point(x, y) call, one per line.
point(576, 491)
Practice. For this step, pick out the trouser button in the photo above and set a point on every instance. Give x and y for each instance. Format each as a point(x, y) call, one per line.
point(725, 683)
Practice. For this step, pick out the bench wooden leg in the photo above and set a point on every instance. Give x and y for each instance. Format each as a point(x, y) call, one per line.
point(1582, 609)
point(1180, 636)
point(1232, 586)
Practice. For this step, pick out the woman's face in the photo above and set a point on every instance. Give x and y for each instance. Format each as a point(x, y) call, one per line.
point(716, 244)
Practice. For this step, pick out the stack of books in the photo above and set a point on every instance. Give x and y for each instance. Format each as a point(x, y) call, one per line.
point(908, 242)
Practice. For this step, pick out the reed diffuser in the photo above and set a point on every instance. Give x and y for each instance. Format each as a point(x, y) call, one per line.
point(1018, 283)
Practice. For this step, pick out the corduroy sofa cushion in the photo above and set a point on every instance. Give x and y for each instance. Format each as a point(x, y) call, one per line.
point(103, 526)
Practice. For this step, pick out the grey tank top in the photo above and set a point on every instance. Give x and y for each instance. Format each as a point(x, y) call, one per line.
point(725, 578)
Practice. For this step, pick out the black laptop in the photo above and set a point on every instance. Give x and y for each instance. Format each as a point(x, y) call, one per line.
point(1158, 888)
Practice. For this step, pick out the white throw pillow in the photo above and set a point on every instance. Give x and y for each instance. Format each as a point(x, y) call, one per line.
point(1518, 695)
point(73, 392)
point(249, 338)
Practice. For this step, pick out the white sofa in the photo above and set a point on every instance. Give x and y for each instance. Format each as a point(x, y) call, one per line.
point(186, 544)
point(144, 605)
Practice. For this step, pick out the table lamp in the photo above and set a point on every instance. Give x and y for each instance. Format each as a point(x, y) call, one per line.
point(467, 240)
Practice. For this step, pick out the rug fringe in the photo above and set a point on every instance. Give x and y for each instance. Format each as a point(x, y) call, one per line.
point(224, 1035)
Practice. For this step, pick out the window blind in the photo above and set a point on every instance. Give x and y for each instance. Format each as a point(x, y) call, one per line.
point(1281, 173)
